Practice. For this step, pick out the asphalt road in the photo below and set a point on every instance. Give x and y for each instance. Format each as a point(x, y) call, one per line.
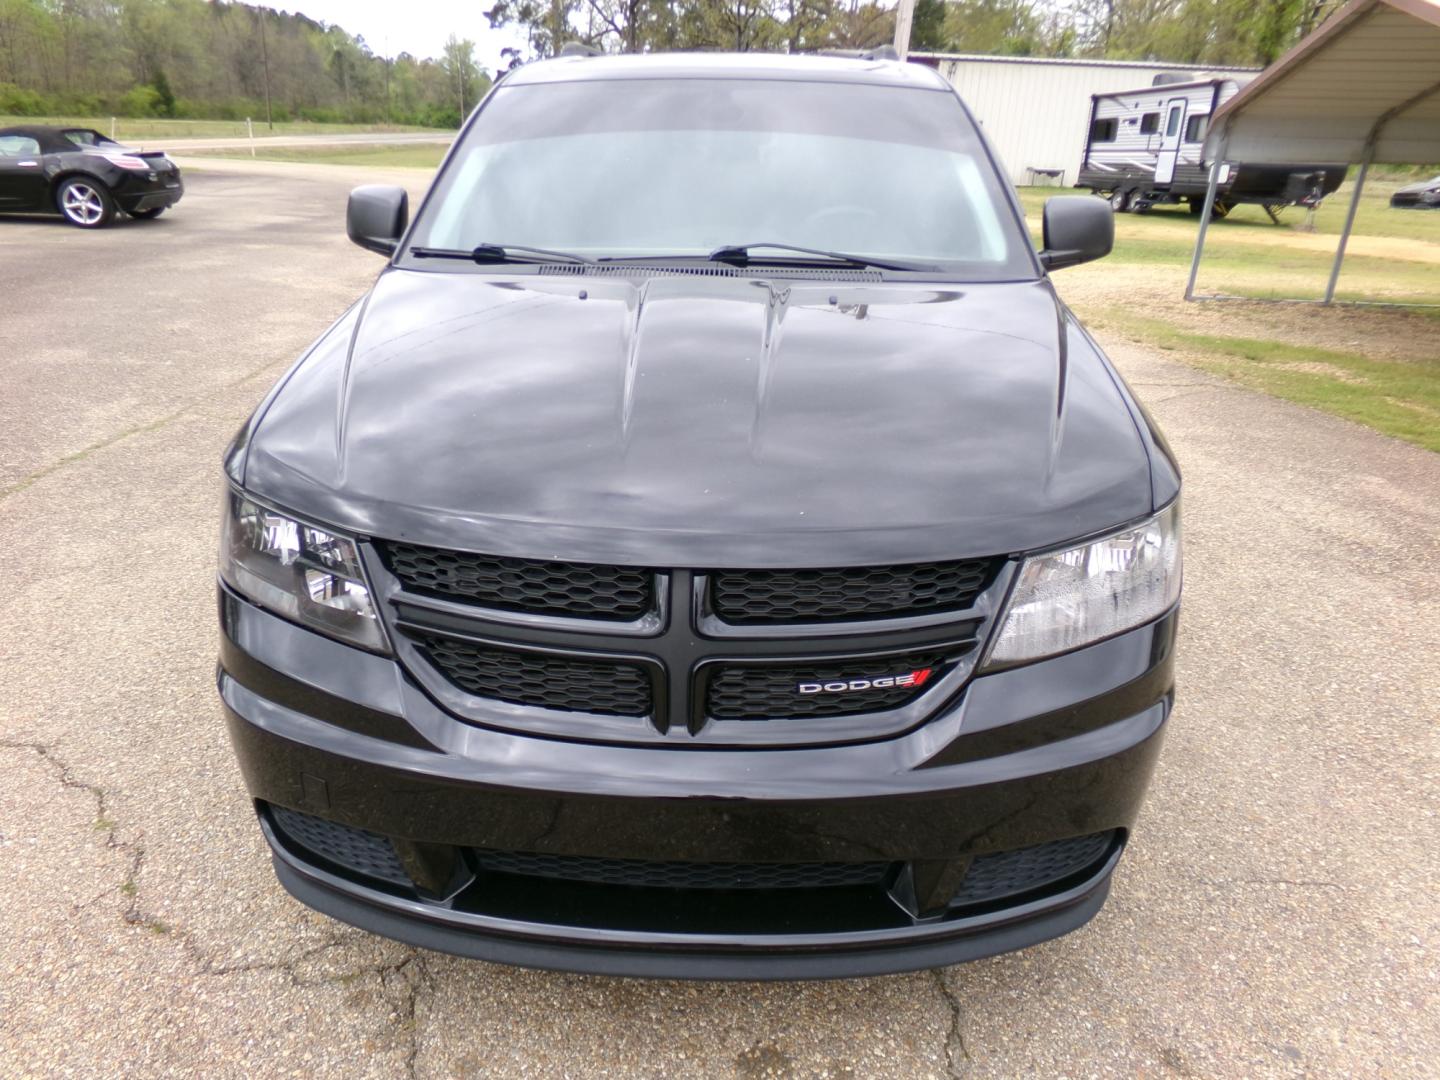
point(1278, 913)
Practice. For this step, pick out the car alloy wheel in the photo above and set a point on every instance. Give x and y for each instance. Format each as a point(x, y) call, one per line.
point(83, 204)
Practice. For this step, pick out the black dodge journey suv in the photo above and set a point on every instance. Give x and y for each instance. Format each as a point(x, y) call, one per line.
point(710, 549)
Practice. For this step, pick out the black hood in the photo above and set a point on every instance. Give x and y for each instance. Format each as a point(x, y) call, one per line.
point(694, 421)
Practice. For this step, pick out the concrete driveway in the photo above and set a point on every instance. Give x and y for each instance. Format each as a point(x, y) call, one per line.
point(1278, 913)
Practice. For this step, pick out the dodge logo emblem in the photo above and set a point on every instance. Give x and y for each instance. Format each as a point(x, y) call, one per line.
point(915, 678)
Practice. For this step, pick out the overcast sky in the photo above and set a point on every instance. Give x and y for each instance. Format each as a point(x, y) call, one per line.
point(418, 27)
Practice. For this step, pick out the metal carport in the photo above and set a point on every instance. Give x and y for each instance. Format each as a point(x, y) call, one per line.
point(1363, 88)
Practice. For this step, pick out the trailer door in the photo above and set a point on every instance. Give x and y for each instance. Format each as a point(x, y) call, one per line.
point(1170, 141)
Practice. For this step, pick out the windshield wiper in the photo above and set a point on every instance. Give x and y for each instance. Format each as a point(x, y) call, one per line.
point(739, 255)
point(501, 253)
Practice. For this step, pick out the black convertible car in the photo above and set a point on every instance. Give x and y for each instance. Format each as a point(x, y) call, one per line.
point(1422, 196)
point(83, 176)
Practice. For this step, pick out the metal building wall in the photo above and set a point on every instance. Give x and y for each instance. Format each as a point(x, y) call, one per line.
point(1036, 112)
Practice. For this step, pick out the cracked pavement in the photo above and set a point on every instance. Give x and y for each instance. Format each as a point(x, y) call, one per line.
point(1277, 914)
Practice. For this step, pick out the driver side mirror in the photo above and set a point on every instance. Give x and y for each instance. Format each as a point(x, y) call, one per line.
point(376, 216)
point(1077, 229)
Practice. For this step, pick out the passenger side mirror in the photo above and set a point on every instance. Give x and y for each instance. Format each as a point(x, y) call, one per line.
point(1077, 228)
point(376, 217)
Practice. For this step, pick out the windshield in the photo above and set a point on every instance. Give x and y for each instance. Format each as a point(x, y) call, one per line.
point(680, 167)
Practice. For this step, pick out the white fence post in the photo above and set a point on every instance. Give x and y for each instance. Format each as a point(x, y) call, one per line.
point(250, 131)
point(1365, 160)
point(112, 127)
point(1211, 188)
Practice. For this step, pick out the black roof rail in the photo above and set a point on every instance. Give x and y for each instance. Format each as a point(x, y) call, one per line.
point(877, 52)
point(579, 48)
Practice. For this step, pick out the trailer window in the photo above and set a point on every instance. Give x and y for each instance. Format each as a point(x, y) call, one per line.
point(1103, 130)
point(1150, 123)
point(1172, 125)
point(1196, 127)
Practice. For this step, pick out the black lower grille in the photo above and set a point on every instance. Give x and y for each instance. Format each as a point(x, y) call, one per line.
point(682, 875)
point(833, 688)
point(861, 592)
point(991, 879)
point(354, 849)
point(538, 586)
point(542, 680)
point(1008, 873)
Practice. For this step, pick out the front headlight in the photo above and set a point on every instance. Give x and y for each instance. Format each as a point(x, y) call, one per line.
point(1070, 598)
point(306, 574)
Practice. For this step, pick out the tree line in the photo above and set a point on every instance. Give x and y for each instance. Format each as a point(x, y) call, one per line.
point(227, 60)
point(1187, 31)
point(211, 59)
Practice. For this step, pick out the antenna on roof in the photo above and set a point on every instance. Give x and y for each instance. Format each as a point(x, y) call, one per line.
point(578, 48)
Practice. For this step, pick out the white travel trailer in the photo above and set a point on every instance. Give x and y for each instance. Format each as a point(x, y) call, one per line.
point(1146, 147)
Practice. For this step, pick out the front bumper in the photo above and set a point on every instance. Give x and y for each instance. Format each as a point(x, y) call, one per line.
point(1040, 754)
point(693, 956)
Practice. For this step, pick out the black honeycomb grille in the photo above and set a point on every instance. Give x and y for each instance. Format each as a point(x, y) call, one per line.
point(773, 691)
point(354, 849)
point(536, 586)
point(864, 592)
point(681, 875)
point(1008, 873)
point(606, 687)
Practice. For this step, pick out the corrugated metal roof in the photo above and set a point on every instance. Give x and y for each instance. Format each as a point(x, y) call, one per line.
point(933, 58)
point(1373, 69)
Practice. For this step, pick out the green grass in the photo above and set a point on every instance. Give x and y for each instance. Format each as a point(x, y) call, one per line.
point(126, 128)
point(1296, 352)
point(1374, 218)
point(1399, 398)
point(414, 157)
point(1247, 255)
